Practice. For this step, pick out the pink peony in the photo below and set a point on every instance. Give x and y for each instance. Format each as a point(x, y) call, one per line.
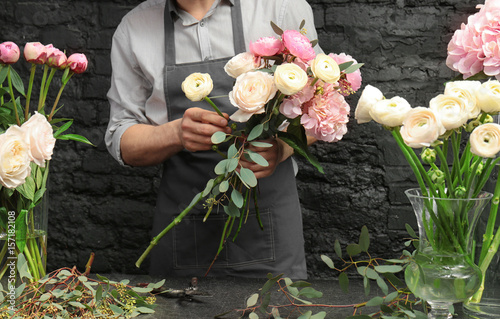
point(35, 52)
point(353, 82)
point(291, 107)
point(298, 45)
point(9, 53)
point(56, 58)
point(77, 62)
point(475, 47)
point(326, 115)
point(266, 46)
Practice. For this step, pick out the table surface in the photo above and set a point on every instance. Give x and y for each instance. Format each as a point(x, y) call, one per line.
point(220, 295)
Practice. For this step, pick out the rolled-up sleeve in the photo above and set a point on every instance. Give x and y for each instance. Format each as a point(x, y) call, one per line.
point(127, 95)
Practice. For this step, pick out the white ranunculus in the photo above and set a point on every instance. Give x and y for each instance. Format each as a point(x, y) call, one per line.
point(41, 137)
point(197, 86)
point(488, 96)
point(421, 127)
point(250, 94)
point(485, 140)
point(325, 68)
point(466, 90)
point(290, 78)
point(14, 157)
point(452, 110)
point(390, 112)
point(368, 98)
point(241, 63)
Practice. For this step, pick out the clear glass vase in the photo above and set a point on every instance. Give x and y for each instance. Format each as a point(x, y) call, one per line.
point(443, 271)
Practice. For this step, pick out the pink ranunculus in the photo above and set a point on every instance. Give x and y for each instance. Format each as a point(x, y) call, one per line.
point(354, 79)
point(41, 138)
point(266, 46)
point(9, 52)
point(326, 115)
point(298, 45)
point(56, 58)
point(77, 62)
point(35, 52)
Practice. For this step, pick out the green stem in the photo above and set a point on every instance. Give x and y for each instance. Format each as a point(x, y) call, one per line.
point(46, 87)
point(12, 97)
point(32, 266)
point(175, 222)
point(216, 109)
point(63, 85)
point(28, 96)
point(41, 98)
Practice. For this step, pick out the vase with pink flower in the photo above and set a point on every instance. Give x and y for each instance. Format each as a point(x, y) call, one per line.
point(28, 133)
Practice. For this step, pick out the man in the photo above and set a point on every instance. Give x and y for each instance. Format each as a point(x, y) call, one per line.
point(155, 47)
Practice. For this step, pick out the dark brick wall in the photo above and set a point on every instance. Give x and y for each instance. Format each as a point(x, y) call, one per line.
point(96, 205)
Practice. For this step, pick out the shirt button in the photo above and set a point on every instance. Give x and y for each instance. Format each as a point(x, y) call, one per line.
point(202, 23)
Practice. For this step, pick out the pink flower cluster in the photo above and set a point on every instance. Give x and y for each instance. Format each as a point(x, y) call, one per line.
point(292, 42)
point(37, 53)
point(323, 110)
point(475, 47)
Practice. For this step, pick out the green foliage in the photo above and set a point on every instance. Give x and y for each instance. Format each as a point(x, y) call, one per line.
point(67, 293)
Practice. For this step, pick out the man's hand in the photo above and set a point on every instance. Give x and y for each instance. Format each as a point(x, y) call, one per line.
point(274, 155)
point(197, 127)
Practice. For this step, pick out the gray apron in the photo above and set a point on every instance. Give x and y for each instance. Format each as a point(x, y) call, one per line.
point(190, 247)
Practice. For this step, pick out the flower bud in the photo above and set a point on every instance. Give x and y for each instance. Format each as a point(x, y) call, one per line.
point(460, 191)
point(35, 52)
point(472, 125)
point(428, 155)
point(56, 58)
point(437, 176)
point(479, 169)
point(9, 53)
point(488, 119)
point(77, 62)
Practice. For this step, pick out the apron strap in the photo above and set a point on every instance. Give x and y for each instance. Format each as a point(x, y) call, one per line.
point(238, 34)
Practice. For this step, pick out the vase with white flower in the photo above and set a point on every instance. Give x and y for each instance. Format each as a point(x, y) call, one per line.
point(28, 133)
point(283, 93)
point(458, 144)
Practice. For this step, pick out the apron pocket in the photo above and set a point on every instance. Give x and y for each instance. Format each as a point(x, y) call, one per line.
point(196, 242)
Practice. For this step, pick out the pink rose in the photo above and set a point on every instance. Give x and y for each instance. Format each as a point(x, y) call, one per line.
point(77, 62)
point(9, 52)
point(298, 45)
point(56, 58)
point(35, 52)
point(266, 46)
point(354, 78)
point(326, 115)
point(41, 138)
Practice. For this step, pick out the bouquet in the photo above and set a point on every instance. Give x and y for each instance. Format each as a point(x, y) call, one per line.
point(28, 132)
point(457, 125)
point(282, 90)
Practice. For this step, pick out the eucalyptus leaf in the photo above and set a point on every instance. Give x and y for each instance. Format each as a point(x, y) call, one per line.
point(221, 167)
point(345, 65)
point(208, 187)
point(306, 315)
point(410, 231)
point(145, 310)
point(255, 132)
point(353, 68)
point(253, 315)
point(388, 268)
point(237, 198)
point(232, 210)
point(232, 151)
point(300, 283)
point(248, 177)
point(223, 186)
point(260, 144)
point(310, 292)
point(337, 248)
point(319, 315)
point(276, 29)
point(382, 285)
point(344, 282)
point(364, 239)
point(353, 249)
point(390, 297)
point(375, 301)
point(328, 261)
point(218, 137)
point(293, 290)
point(232, 164)
point(252, 300)
point(257, 158)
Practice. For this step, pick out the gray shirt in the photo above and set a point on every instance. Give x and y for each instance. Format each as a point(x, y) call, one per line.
point(138, 52)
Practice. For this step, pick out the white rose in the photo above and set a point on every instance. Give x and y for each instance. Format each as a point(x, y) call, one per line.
point(485, 140)
point(290, 78)
point(250, 94)
point(368, 98)
point(452, 110)
point(325, 68)
point(466, 90)
point(488, 96)
point(41, 137)
point(14, 157)
point(197, 86)
point(241, 63)
point(421, 127)
point(390, 112)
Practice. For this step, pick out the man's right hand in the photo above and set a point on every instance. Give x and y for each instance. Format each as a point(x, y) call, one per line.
point(197, 127)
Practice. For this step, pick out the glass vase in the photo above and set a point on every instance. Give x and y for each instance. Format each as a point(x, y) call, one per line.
point(443, 271)
point(23, 244)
